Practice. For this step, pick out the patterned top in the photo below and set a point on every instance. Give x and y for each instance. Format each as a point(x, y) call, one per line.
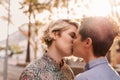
point(46, 68)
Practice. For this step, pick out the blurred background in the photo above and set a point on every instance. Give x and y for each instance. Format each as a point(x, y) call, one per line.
point(23, 21)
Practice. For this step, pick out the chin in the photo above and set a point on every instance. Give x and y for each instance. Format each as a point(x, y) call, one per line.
point(67, 55)
point(74, 54)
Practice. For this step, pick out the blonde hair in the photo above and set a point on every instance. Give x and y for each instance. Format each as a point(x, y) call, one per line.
point(57, 26)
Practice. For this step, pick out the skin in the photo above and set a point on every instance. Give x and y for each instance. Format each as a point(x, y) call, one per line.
point(98, 31)
point(83, 48)
point(62, 45)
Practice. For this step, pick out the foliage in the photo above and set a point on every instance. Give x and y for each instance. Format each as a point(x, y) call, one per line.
point(1, 48)
point(114, 10)
point(31, 8)
point(16, 49)
point(5, 4)
point(35, 5)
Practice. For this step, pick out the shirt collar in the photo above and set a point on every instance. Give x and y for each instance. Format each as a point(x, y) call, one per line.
point(53, 63)
point(96, 62)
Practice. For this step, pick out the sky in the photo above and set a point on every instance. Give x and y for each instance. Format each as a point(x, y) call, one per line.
point(18, 18)
point(97, 8)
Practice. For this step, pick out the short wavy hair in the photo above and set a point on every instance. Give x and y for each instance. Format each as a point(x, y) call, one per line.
point(57, 26)
point(102, 31)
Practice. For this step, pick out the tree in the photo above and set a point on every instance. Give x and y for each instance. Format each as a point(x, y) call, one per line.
point(115, 15)
point(4, 4)
point(115, 10)
point(8, 23)
point(34, 7)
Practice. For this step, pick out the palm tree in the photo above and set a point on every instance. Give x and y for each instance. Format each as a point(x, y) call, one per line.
point(34, 7)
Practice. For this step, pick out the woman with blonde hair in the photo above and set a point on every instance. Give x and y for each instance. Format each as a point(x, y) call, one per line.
point(58, 37)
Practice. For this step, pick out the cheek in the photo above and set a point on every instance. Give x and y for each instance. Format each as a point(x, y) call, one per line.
point(64, 45)
point(67, 41)
point(75, 48)
point(68, 46)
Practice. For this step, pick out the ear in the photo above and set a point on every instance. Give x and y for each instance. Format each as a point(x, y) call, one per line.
point(53, 35)
point(88, 42)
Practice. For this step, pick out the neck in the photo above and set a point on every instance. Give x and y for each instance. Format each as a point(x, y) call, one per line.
point(92, 58)
point(54, 54)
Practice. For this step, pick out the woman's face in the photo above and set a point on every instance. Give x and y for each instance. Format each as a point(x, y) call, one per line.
point(64, 42)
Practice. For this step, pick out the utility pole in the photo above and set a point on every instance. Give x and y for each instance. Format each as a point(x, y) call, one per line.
point(6, 50)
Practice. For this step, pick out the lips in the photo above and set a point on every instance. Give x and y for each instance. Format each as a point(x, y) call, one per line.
point(72, 50)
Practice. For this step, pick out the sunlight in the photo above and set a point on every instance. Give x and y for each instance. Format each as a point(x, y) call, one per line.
point(100, 8)
point(17, 17)
point(79, 10)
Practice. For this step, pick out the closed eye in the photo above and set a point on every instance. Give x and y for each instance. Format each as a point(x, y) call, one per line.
point(72, 35)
